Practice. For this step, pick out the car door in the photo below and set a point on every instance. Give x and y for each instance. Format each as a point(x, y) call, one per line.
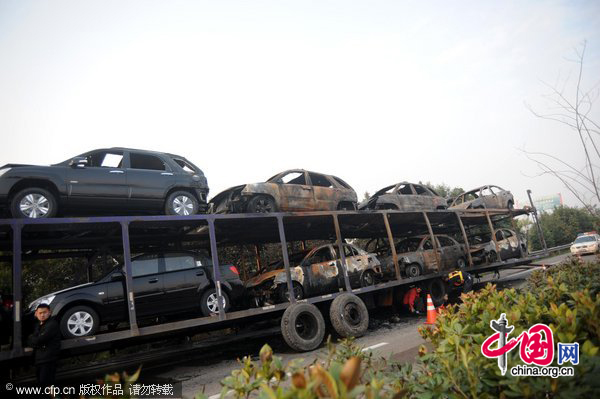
point(405, 197)
point(148, 285)
point(423, 197)
point(450, 252)
point(430, 261)
point(323, 271)
point(102, 183)
point(295, 192)
point(184, 275)
point(505, 251)
point(512, 242)
point(149, 179)
point(355, 264)
point(490, 198)
point(325, 193)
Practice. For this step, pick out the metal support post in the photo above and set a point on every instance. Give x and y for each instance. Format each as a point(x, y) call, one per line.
point(338, 235)
point(133, 326)
point(465, 238)
point(436, 249)
point(17, 348)
point(216, 269)
point(286, 259)
point(391, 242)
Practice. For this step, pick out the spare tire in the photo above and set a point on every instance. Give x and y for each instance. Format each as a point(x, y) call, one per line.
point(303, 327)
point(349, 316)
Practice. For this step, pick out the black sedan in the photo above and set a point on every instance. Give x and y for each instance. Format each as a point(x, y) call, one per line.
point(163, 284)
point(114, 180)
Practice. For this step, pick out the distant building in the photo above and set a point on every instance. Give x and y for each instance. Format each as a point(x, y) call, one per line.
point(548, 203)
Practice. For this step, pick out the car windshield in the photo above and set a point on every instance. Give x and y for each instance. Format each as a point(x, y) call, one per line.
point(585, 239)
point(408, 245)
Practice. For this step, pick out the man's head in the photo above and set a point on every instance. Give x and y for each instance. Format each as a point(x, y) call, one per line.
point(418, 290)
point(43, 312)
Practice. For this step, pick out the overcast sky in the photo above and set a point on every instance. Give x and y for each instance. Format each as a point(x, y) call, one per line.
point(375, 92)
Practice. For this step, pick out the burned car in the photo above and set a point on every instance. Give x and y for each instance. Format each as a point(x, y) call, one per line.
point(492, 197)
point(416, 256)
point(511, 244)
point(314, 272)
point(105, 181)
point(405, 197)
point(292, 190)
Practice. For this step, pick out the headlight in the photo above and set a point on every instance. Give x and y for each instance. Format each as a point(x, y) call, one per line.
point(3, 171)
point(45, 299)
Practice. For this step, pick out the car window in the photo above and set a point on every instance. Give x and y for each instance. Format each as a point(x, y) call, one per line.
point(445, 241)
point(144, 161)
point(350, 251)
point(319, 180)
point(293, 178)
point(408, 245)
point(499, 235)
point(487, 191)
point(585, 239)
point(427, 244)
point(179, 262)
point(105, 159)
point(145, 266)
point(507, 234)
point(404, 189)
point(186, 166)
point(341, 182)
point(421, 190)
point(322, 255)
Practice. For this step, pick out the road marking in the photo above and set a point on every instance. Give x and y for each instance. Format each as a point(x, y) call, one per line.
point(379, 345)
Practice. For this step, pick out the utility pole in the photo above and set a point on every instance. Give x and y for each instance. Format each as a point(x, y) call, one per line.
point(537, 222)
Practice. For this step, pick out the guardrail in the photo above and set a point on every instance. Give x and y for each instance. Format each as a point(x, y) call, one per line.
point(553, 249)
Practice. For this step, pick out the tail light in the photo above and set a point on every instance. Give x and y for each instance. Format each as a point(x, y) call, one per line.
point(234, 270)
point(7, 303)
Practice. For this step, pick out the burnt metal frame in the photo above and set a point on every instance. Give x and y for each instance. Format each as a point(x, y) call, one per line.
point(18, 224)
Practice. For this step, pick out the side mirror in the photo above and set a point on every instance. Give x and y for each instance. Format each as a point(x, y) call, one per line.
point(117, 277)
point(78, 162)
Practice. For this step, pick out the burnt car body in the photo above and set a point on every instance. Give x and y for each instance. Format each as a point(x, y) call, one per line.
point(511, 244)
point(115, 179)
point(416, 255)
point(315, 272)
point(163, 284)
point(405, 196)
point(492, 197)
point(292, 190)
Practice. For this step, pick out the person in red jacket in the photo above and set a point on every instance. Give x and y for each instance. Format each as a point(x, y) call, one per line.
point(412, 300)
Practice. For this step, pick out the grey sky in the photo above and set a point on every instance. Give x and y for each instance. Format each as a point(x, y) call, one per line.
point(375, 92)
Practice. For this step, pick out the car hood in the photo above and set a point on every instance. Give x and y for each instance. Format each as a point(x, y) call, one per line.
point(261, 278)
point(226, 194)
point(18, 165)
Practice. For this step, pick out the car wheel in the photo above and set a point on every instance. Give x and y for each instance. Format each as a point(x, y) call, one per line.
point(367, 279)
point(413, 270)
point(79, 321)
point(349, 316)
point(33, 203)
point(262, 204)
point(461, 263)
point(285, 296)
point(209, 303)
point(510, 205)
point(492, 257)
point(181, 203)
point(437, 289)
point(303, 327)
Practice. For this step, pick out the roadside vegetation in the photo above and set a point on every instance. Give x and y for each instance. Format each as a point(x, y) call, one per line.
point(564, 297)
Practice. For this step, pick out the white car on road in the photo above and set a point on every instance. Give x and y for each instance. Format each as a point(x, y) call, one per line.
point(586, 244)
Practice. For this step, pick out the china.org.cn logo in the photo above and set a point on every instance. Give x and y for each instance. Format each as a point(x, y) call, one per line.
point(536, 347)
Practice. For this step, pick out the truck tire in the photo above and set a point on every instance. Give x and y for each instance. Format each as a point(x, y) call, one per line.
point(437, 289)
point(303, 327)
point(79, 321)
point(349, 316)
